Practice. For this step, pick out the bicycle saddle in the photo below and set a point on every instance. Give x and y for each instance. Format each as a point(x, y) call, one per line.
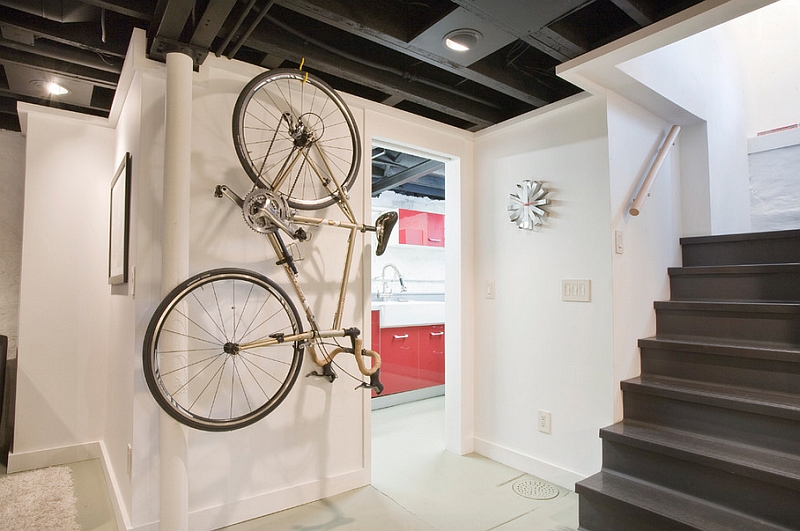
point(383, 229)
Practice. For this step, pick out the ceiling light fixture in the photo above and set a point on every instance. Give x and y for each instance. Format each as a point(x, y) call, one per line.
point(462, 40)
point(55, 89)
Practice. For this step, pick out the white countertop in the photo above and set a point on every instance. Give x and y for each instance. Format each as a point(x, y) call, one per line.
point(411, 313)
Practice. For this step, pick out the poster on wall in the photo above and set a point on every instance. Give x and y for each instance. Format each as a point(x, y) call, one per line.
point(119, 226)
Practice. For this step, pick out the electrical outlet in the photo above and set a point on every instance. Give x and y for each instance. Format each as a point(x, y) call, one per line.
point(544, 421)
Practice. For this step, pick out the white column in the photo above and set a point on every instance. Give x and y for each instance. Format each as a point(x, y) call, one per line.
point(173, 436)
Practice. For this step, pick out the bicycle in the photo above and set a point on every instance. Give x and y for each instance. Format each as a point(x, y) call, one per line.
point(224, 348)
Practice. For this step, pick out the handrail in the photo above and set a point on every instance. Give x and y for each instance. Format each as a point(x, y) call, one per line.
point(644, 191)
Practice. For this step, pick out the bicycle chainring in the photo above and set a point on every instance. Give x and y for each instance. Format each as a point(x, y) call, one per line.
point(257, 202)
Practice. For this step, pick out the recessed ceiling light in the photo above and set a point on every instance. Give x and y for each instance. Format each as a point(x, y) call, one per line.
point(462, 40)
point(50, 87)
point(55, 89)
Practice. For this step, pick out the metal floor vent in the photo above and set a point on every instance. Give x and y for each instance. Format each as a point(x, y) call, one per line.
point(535, 489)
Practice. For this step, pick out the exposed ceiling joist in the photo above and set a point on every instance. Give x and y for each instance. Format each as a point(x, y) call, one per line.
point(406, 176)
point(388, 51)
point(633, 10)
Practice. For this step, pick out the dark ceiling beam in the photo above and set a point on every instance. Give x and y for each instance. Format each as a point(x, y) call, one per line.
point(139, 9)
point(421, 190)
point(633, 10)
point(174, 19)
point(554, 44)
point(67, 54)
point(62, 68)
point(293, 49)
point(83, 35)
point(512, 86)
point(211, 22)
point(411, 174)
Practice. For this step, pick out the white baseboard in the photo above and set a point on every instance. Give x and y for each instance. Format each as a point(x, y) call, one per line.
point(203, 519)
point(546, 471)
point(272, 502)
point(19, 462)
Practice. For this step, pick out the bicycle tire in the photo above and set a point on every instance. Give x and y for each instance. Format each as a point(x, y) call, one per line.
point(289, 118)
point(192, 362)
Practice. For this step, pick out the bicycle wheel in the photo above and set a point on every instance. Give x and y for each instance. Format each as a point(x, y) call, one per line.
point(197, 362)
point(295, 135)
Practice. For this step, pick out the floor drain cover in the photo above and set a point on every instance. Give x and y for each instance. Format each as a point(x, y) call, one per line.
point(535, 489)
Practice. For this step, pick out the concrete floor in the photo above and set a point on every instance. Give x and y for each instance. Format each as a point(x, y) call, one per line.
point(416, 486)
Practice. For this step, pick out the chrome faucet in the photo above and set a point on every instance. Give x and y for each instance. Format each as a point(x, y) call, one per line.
point(386, 291)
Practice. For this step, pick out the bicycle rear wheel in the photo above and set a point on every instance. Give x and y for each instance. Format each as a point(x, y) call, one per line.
point(196, 360)
point(295, 135)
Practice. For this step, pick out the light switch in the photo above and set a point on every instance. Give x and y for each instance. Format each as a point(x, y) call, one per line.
point(576, 290)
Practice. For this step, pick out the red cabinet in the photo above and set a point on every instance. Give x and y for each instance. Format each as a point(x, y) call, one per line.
point(421, 228)
point(400, 359)
point(431, 355)
point(412, 357)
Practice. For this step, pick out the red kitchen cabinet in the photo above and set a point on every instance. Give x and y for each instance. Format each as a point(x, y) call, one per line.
point(431, 355)
point(421, 228)
point(400, 359)
point(376, 331)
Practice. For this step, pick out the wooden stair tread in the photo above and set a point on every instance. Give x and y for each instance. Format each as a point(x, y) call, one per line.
point(730, 306)
point(747, 269)
point(776, 467)
point(749, 236)
point(687, 510)
point(785, 405)
point(716, 346)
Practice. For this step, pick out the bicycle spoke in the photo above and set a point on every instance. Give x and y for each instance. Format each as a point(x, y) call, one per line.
point(307, 112)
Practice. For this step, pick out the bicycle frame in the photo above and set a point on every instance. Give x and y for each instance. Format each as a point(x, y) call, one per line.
point(286, 261)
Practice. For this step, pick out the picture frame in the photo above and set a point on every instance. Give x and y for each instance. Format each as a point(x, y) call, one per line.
point(119, 224)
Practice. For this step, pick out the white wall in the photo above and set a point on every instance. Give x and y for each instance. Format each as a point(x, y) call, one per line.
point(63, 320)
point(650, 240)
point(534, 351)
point(767, 43)
point(702, 74)
point(12, 196)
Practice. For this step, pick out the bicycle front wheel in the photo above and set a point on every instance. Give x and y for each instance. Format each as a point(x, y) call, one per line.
point(197, 362)
point(295, 135)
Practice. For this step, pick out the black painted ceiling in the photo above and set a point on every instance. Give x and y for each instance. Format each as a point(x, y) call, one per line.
point(389, 51)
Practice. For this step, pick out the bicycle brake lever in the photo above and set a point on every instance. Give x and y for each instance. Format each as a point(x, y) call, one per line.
point(374, 383)
point(327, 373)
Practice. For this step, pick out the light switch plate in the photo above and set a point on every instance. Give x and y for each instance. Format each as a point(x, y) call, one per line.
point(576, 290)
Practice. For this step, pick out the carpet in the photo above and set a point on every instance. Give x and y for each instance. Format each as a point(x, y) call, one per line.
point(39, 500)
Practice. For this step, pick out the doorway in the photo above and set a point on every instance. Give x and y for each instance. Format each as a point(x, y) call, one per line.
point(408, 280)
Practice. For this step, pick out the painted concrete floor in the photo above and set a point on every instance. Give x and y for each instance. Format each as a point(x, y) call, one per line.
point(416, 486)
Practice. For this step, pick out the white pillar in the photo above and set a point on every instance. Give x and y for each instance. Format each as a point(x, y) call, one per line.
point(173, 436)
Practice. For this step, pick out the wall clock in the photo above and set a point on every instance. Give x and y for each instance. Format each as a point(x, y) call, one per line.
point(526, 205)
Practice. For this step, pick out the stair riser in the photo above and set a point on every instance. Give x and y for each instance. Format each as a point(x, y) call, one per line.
point(770, 327)
point(768, 375)
point(598, 512)
point(778, 287)
point(724, 486)
point(761, 430)
point(749, 251)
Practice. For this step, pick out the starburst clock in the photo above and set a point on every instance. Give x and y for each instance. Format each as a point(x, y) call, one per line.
point(526, 206)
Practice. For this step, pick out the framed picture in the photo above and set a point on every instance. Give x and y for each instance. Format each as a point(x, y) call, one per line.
point(120, 221)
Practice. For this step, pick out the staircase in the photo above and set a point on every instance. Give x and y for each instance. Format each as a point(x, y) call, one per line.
point(711, 435)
